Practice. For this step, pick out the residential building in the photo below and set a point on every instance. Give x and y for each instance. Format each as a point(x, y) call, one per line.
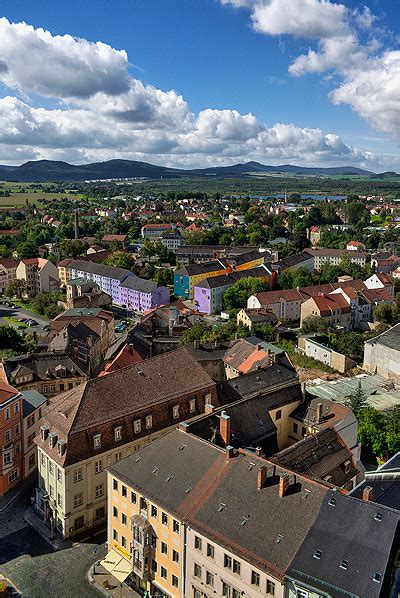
point(382, 485)
point(107, 418)
point(40, 275)
point(252, 317)
point(33, 404)
point(122, 285)
point(11, 420)
point(48, 373)
point(314, 234)
point(63, 271)
point(187, 254)
point(99, 321)
point(121, 241)
point(211, 357)
point(126, 356)
point(294, 262)
point(81, 293)
point(8, 272)
point(334, 310)
point(187, 277)
point(243, 357)
point(355, 246)
point(332, 257)
point(153, 232)
point(208, 294)
point(382, 354)
point(311, 346)
point(171, 240)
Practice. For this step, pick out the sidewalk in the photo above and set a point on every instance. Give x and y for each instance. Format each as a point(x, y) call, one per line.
point(107, 584)
point(21, 489)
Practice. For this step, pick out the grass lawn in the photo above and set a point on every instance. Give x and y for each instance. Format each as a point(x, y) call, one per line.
point(15, 321)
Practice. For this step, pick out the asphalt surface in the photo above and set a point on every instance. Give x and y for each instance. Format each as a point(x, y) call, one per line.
point(35, 568)
point(17, 313)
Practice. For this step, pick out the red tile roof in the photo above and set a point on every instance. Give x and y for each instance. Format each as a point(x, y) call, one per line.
point(6, 392)
point(127, 356)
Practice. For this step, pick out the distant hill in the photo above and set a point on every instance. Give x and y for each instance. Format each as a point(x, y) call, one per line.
point(50, 170)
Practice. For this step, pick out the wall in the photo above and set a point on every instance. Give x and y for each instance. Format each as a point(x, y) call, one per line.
point(11, 422)
point(242, 583)
point(335, 360)
point(382, 360)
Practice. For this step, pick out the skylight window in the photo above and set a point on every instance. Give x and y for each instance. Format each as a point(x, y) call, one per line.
point(317, 554)
point(344, 564)
point(332, 501)
point(378, 516)
point(377, 577)
point(221, 507)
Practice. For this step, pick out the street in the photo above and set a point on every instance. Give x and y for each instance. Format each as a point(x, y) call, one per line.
point(32, 565)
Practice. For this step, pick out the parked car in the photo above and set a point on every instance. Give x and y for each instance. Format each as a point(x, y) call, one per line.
point(23, 320)
point(46, 327)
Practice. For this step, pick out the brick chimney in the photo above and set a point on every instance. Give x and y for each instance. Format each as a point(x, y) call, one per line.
point(284, 482)
point(225, 427)
point(367, 493)
point(319, 413)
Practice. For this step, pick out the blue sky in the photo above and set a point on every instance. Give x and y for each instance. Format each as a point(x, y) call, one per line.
point(218, 56)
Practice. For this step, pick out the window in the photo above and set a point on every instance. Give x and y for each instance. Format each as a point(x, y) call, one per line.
point(304, 430)
point(97, 440)
point(227, 561)
point(53, 388)
point(99, 490)
point(175, 556)
point(118, 433)
point(115, 512)
point(344, 564)
point(78, 500)
point(123, 541)
point(175, 526)
point(62, 387)
point(164, 519)
point(209, 579)
point(226, 590)
point(377, 577)
point(278, 414)
point(270, 587)
point(301, 594)
point(255, 579)
point(118, 457)
point(137, 426)
point(192, 405)
point(77, 475)
point(7, 436)
point(154, 566)
point(7, 458)
point(197, 570)
point(31, 461)
point(153, 511)
point(149, 421)
point(175, 411)
point(295, 428)
point(175, 581)
point(59, 475)
point(98, 466)
point(210, 551)
point(124, 491)
point(31, 420)
point(197, 543)
point(59, 499)
point(16, 408)
point(13, 476)
point(43, 460)
point(115, 485)
point(18, 448)
point(317, 554)
point(164, 548)
point(153, 541)
point(347, 466)
point(236, 567)
point(17, 430)
point(100, 513)
point(133, 497)
point(115, 535)
point(7, 414)
point(163, 572)
point(51, 468)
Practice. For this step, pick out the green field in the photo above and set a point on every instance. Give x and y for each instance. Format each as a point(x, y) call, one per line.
point(18, 198)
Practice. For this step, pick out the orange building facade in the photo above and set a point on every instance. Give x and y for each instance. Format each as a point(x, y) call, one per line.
point(11, 420)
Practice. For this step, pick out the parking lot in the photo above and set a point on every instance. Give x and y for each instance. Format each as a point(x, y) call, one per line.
point(13, 315)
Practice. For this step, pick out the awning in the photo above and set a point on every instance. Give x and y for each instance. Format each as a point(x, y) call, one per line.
point(116, 565)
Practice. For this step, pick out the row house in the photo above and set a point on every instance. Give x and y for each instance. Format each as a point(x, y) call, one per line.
point(8, 272)
point(187, 518)
point(187, 254)
point(125, 288)
point(104, 420)
point(40, 275)
point(332, 257)
point(153, 232)
point(115, 240)
point(334, 310)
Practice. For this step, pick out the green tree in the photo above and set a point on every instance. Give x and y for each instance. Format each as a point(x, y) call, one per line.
point(26, 250)
point(236, 296)
point(314, 324)
point(121, 259)
point(371, 432)
point(357, 401)
point(17, 288)
point(383, 313)
point(164, 276)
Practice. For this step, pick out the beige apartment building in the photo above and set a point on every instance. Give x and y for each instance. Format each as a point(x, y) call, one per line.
point(100, 422)
point(33, 405)
point(40, 275)
point(8, 272)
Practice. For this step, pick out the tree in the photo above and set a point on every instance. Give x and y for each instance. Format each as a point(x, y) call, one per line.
point(236, 296)
point(71, 248)
point(383, 313)
point(371, 432)
point(164, 276)
point(17, 288)
point(314, 324)
point(26, 250)
point(10, 338)
point(121, 259)
point(357, 401)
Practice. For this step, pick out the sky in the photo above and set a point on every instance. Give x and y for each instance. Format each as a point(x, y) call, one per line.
point(196, 83)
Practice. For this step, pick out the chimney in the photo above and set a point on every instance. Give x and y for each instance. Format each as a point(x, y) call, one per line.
point(208, 408)
point(230, 451)
point(225, 427)
point(284, 482)
point(319, 413)
point(367, 493)
point(259, 451)
point(183, 427)
point(262, 477)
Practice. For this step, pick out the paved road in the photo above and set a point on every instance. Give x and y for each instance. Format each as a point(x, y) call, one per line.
point(18, 313)
point(32, 565)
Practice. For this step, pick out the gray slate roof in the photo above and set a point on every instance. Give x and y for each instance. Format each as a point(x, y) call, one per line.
point(100, 269)
point(347, 530)
point(390, 338)
point(32, 399)
point(139, 284)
